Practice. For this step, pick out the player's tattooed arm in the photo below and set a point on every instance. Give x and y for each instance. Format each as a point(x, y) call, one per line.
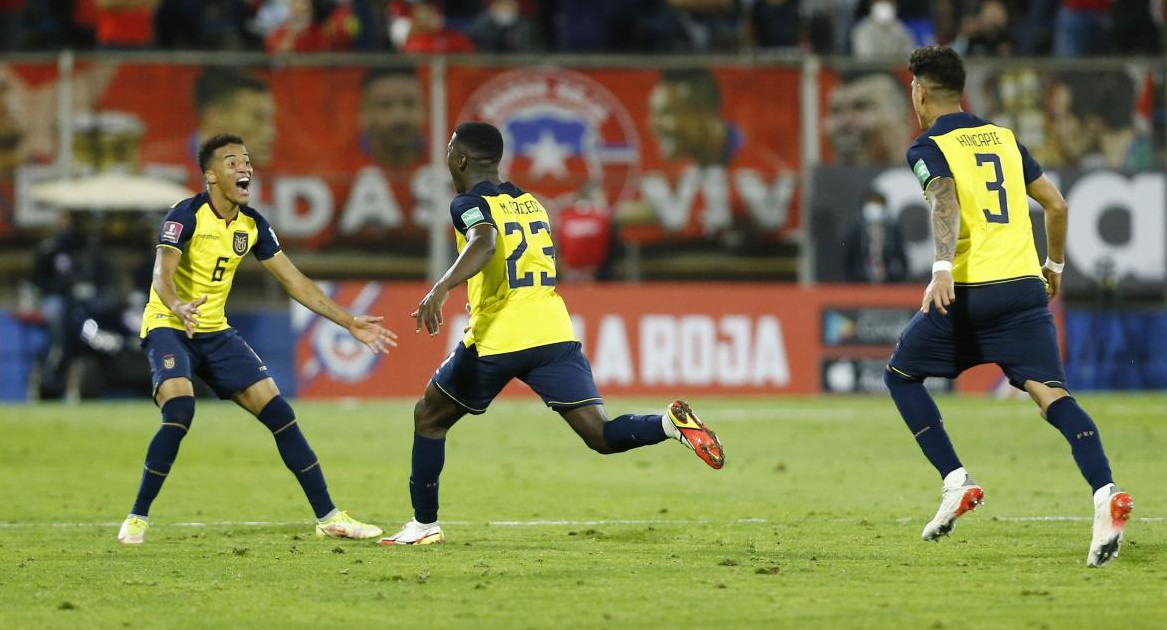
point(945, 217)
point(301, 288)
point(941, 291)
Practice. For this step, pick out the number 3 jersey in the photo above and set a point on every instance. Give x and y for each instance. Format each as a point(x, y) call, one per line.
point(991, 170)
point(513, 303)
point(212, 249)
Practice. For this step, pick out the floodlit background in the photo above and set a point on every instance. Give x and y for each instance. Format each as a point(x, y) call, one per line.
point(759, 164)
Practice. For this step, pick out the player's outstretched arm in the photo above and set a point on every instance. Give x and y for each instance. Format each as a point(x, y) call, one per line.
point(165, 262)
point(1056, 225)
point(941, 291)
point(480, 245)
point(364, 328)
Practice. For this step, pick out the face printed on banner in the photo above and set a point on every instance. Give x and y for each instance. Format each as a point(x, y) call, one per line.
point(685, 117)
point(392, 116)
point(866, 121)
point(253, 113)
point(230, 100)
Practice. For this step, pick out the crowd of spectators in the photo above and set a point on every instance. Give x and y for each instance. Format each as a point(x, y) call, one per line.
point(864, 28)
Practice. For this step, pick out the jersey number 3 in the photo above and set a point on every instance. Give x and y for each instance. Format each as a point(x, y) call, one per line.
point(997, 185)
point(514, 279)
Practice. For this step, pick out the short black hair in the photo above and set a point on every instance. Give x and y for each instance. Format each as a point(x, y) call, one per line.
point(394, 72)
point(216, 85)
point(704, 93)
point(938, 65)
point(484, 140)
point(208, 147)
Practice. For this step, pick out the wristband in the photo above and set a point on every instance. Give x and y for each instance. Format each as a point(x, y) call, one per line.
point(942, 265)
point(1053, 266)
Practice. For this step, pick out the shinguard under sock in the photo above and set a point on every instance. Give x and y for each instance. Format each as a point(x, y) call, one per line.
point(922, 416)
point(429, 457)
point(279, 418)
point(177, 415)
point(1085, 443)
point(632, 431)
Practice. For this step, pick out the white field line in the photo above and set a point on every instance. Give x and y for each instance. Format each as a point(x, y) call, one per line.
point(568, 523)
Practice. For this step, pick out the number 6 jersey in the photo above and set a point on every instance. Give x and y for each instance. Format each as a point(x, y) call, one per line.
point(212, 249)
point(991, 170)
point(513, 303)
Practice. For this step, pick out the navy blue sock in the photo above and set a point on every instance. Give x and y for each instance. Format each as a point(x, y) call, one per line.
point(278, 417)
point(1082, 434)
point(429, 456)
point(177, 414)
point(632, 431)
point(922, 416)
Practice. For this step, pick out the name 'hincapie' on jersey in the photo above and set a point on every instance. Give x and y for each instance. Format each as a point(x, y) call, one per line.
point(513, 302)
point(991, 171)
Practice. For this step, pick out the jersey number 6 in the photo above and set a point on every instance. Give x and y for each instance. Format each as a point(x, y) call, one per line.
point(220, 269)
point(997, 185)
point(515, 280)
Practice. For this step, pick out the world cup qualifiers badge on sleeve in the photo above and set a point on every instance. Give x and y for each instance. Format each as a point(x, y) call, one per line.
point(171, 231)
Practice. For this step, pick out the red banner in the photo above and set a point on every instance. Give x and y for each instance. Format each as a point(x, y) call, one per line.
point(342, 154)
point(647, 340)
point(677, 153)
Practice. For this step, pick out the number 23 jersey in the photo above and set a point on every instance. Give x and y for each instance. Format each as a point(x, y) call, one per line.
point(212, 249)
point(513, 302)
point(991, 170)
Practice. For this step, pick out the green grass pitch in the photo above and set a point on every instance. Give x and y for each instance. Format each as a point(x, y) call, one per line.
point(813, 523)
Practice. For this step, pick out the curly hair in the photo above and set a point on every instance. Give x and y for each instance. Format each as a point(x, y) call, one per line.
point(939, 66)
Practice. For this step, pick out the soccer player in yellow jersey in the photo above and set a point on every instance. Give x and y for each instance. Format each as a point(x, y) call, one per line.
point(519, 328)
point(988, 299)
point(185, 332)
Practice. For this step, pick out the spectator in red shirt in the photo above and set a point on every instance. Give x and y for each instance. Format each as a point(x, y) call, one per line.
point(314, 27)
point(125, 24)
point(585, 237)
point(428, 32)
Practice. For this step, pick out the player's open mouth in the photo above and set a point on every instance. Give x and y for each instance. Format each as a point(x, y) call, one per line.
point(242, 185)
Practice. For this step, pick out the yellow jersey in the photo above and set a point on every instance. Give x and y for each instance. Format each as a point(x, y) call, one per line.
point(212, 249)
point(991, 171)
point(513, 303)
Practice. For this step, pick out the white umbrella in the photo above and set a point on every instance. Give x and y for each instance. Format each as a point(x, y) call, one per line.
point(110, 191)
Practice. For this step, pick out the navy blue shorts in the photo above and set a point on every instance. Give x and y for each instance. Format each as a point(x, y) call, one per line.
point(222, 359)
point(558, 372)
point(1009, 324)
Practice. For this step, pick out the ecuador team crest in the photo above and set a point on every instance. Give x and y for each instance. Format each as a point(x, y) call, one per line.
point(168, 362)
point(239, 243)
point(562, 130)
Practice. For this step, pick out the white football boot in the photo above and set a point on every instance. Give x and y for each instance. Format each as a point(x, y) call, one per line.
point(960, 494)
point(1112, 508)
point(414, 533)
